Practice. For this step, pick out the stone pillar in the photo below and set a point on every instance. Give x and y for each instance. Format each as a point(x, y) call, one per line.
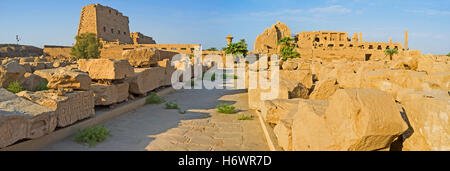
point(406, 40)
point(229, 39)
point(355, 37)
point(360, 37)
point(390, 40)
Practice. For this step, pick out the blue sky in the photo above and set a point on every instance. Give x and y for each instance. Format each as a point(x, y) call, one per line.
point(208, 22)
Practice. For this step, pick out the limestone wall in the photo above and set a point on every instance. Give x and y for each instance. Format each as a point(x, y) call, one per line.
point(139, 38)
point(57, 51)
point(109, 24)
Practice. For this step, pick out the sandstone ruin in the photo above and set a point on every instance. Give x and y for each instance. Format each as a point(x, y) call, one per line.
point(342, 94)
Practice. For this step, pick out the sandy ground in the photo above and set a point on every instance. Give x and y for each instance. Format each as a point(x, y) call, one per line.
point(136, 130)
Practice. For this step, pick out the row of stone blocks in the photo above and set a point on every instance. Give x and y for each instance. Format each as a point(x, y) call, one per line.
point(357, 106)
point(73, 94)
point(36, 114)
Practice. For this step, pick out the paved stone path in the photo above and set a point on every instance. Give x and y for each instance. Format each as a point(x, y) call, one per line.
point(201, 128)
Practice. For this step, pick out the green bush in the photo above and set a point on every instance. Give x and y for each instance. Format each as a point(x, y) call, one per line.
point(42, 86)
point(226, 108)
point(154, 99)
point(15, 87)
point(448, 54)
point(287, 50)
point(171, 105)
point(180, 111)
point(86, 47)
point(92, 135)
point(244, 117)
point(237, 48)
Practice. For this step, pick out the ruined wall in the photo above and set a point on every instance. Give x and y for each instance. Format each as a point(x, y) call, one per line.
point(334, 45)
point(139, 38)
point(57, 51)
point(109, 24)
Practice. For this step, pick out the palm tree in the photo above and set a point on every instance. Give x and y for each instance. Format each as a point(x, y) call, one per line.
point(390, 52)
point(237, 48)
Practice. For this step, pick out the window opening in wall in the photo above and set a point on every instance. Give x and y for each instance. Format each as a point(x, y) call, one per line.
point(173, 48)
point(112, 31)
point(379, 47)
point(387, 47)
point(183, 48)
point(370, 46)
point(104, 29)
point(118, 32)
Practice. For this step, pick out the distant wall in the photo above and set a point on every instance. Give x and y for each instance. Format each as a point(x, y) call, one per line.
point(13, 50)
point(57, 51)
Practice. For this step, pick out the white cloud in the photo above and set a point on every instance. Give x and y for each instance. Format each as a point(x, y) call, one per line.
point(429, 12)
point(277, 13)
point(336, 9)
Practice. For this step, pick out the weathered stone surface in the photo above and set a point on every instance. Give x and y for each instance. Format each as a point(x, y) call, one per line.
point(364, 119)
point(441, 79)
point(20, 119)
point(407, 78)
point(69, 108)
point(106, 69)
point(147, 79)
point(141, 57)
point(68, 79)
point(110, 94)
point(168, 71)
point(32, 81)
point(303, 76)
point(428, 113)
point(309, 129)
point(292, 89)
point(10, 72)
point(324, 89)
point(273, 110)
point(267, 42)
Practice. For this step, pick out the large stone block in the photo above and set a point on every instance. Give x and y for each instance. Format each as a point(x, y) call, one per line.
point(110, 94)
point(309, 129)
point(324, 89)
point(364, 119)
point(69, 108)
point(32, 81)
point(428, 113)
point(303, 76)
point(106, 69)
point(147, 79)
point(273, 110)
point(141, 57)
point(22, 119)
point(10, 72)
point(69, 79)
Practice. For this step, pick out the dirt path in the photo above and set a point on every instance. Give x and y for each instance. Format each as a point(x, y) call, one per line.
point(201, 128)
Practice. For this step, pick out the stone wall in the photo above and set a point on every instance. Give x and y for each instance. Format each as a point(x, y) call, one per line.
point(109, 24)
point(57, 51)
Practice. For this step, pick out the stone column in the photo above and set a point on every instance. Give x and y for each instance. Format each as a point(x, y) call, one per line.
point(360, 37)
point(406, 40)
point(229, 39)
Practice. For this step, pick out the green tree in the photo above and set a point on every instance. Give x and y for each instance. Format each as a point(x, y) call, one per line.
point(390, 52)
point(86, 47)
point(287, 50)
point(448, 54)
point(237, 48)
point(212, 49)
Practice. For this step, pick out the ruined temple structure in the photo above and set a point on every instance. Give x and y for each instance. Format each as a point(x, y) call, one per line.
point(112, 28)
point(334, 44)
point(329, 45)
